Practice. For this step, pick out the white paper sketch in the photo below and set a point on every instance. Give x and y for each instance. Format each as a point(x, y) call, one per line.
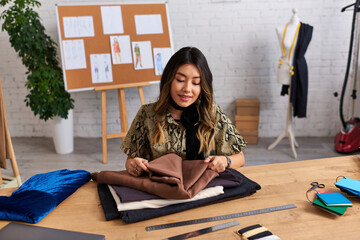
point(101, 70)
point(78, 27)
point(148, 24)
point(74, 54)
point(161, 57)
point(142, 55)
point(112, 21)
point(120, 49)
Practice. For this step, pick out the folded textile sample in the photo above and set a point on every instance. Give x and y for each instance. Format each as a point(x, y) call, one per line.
point(40, 194)
point(257, 232)
point(126, 194)
point(158, 203)
point(244, 188)
point(169, 177)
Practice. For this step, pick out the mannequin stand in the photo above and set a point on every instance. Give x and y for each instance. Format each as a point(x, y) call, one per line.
point(287, 132)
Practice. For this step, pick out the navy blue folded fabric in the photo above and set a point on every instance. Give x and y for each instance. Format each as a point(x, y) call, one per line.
point(40, 194)
point(247, 187)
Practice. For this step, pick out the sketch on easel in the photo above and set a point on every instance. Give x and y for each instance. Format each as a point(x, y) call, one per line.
point(82, 26)
point(148, 24)
point(101, 70)
point(112, 21)
point(74, 54)
point(142, 55)
point(161, 57)
point(120, 49)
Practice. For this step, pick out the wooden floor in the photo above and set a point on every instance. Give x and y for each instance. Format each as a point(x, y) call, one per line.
point(37, 155)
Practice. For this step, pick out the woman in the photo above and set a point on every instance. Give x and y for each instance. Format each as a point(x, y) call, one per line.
point(184, 120)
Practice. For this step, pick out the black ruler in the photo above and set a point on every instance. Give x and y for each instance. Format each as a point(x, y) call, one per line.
point(203, 231)
point(217, 218)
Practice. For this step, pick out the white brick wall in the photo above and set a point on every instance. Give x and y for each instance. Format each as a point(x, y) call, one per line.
point(239, 41)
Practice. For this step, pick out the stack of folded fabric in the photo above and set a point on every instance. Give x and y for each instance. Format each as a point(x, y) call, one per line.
point(257, 232)
point(348, 185)
point(172, 185)
point(332, 202)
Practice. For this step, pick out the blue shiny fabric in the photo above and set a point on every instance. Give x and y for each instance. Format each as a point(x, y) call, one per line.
point(41, 194)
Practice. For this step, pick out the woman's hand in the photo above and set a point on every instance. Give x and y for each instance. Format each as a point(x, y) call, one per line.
point(136, 166)
point(220, 163)
point(217, 163)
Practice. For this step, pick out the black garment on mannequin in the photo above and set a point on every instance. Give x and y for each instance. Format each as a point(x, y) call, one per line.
point(299, 81)
point(284, 90)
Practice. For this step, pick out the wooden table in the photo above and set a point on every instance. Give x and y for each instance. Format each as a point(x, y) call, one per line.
point(282, 184)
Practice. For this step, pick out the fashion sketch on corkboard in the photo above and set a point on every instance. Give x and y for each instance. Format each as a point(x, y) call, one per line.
point(161, 57)
point(112, 21)
point(142, 53)
point(120, 49)
point(101, 70)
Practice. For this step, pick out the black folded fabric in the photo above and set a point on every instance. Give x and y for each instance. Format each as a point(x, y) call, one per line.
point(265, 232)
point(246, 188)
point(246, 229)
point(107, 202)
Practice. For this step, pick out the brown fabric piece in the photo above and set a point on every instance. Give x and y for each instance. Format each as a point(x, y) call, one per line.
point(169, 177)
point(4, 146)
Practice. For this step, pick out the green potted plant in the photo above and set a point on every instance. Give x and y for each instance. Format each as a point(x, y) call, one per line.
point(47, 96)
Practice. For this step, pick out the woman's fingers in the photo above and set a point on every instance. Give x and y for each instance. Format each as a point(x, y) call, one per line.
point(215, 163)
point(137, 166)
point(143, 165)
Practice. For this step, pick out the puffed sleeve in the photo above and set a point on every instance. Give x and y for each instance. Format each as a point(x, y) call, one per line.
point(136, 143)
point(228, 140)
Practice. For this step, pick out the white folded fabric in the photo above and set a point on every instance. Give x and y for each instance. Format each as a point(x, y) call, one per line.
point(158, 203)
point(270, 237)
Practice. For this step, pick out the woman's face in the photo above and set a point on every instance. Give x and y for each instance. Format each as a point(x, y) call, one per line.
point(185, 87)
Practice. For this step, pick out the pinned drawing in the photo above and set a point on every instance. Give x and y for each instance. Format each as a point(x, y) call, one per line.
point(101, 70)
point(74, 54)
point(120, 49)
point(137, 56)
point(112, 21)
point(142, 55)
point(161, 57)
point(148, 24)
point(78, 26)
point(116, 50)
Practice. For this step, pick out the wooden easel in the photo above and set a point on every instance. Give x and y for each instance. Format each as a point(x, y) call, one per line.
point(287, 132)
point(9, 150)
point(122, 110)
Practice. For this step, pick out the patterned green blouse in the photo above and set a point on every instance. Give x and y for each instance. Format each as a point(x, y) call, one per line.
point(139, 139)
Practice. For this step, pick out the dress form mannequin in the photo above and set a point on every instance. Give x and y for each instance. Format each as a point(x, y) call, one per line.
point(287, 36)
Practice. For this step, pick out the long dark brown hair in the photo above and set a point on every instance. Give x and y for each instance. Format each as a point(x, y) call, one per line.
point(188, 55)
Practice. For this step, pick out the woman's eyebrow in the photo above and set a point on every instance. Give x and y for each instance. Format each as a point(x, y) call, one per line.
point(181, 74)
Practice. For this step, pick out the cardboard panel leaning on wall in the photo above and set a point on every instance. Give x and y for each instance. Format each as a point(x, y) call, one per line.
point(247, 118)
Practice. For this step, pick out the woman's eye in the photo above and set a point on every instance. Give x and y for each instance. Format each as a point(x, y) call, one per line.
point(179, 80)
point(196, 83)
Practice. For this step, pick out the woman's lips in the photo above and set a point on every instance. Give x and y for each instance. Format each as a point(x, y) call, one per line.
point(184, 98)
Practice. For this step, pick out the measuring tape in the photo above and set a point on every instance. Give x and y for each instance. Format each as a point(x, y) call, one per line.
point(217, 218)
point(203, 231)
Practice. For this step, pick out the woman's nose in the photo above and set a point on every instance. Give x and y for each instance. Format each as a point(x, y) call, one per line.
point(186, 88)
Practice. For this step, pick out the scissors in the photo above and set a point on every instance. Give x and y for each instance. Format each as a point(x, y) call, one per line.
point(316, 185)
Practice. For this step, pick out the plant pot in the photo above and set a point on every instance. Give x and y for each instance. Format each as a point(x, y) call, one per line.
point(63, 134)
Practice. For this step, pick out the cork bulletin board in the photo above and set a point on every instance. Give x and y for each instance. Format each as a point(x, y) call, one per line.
point(91, 58)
